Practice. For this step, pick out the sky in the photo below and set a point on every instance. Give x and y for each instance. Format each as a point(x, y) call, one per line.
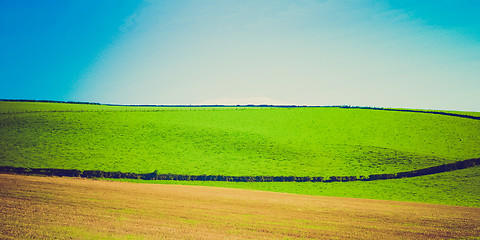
point(408, 54)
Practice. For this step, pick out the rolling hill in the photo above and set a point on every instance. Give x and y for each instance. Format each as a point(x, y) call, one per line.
point(248, 141)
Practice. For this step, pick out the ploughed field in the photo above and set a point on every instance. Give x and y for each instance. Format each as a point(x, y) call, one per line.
point(252, 141)
point(65, 208)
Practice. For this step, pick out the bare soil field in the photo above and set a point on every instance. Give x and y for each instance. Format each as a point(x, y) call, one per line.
point(73, 208)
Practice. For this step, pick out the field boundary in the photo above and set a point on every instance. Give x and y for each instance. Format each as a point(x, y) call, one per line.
point(238, 107)
point(425, 111)
point(179, 177)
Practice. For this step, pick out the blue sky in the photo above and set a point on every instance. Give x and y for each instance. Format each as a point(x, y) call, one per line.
point(416, 54)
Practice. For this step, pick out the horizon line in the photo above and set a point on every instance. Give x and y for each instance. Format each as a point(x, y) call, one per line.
point(237, 105)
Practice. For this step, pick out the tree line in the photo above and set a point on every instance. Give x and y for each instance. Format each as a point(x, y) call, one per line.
point(412, 111)
point(184, 177)
point(252, 105)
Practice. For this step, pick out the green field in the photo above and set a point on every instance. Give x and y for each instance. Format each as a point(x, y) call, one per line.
point(249, 141)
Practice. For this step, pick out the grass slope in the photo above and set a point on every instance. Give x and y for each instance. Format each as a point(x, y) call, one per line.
point(300, 142)
point(246, 141)
point(69, 208)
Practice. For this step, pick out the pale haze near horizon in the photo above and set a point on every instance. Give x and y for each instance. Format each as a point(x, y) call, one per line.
point(362, 53)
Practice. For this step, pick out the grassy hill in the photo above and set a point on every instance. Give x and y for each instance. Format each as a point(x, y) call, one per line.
point(233, 141)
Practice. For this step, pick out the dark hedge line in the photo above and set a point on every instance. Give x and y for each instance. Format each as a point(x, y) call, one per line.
point(250, 105)
point(432, 112)
point(157, 176)
point(412, 111)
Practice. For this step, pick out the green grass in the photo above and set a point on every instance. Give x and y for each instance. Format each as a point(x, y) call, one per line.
point(238, 141)
point(299, 142)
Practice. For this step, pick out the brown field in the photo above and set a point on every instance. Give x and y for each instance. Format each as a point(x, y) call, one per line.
point(73, 208)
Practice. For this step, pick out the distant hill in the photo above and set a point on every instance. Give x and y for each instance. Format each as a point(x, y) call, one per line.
point(234, 141)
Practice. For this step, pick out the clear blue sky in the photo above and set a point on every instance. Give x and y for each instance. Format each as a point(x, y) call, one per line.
point(416, 54)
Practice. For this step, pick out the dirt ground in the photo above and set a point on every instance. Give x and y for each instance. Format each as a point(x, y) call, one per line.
point(74, 208)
